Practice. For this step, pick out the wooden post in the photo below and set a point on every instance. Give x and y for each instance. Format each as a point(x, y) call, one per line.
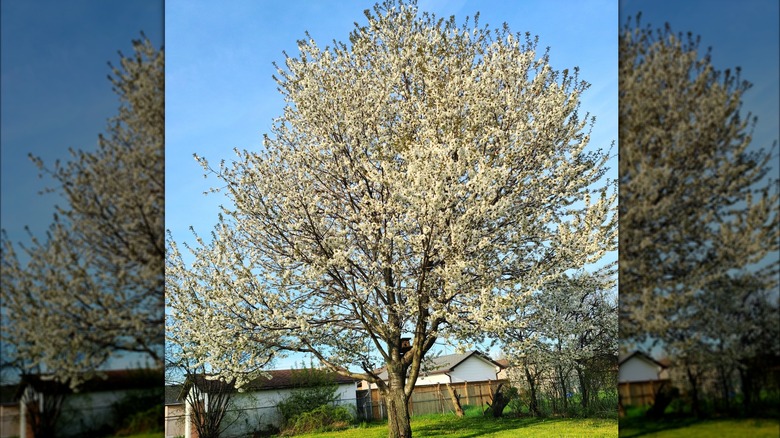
point(455, 401)
point(481, 400)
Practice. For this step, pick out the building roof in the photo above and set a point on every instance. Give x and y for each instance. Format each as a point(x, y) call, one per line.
point(108, 380)
point(291, 379)
point(173, 394)
point(643, 356)
point(446, 363)
point(277, 379)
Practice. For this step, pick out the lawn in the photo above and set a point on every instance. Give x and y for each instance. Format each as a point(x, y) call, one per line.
point(145, 435)
point(678, 428)
point(471, 426)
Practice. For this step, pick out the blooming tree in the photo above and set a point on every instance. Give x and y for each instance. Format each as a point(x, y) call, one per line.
point(698, 217)
point(568, 327)
point(420, 179)
point(94, 285)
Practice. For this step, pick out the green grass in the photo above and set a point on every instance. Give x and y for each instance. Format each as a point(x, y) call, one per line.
point(477, 426)
point(690, 427)
point(146, 435)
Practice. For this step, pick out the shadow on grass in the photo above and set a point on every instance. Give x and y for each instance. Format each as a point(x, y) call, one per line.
point(476, 426)
point(640, 426)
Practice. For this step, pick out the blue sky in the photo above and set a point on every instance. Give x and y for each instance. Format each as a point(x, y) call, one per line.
point(220, 94)
point(54, 92)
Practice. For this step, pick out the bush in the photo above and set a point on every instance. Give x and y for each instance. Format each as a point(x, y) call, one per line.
point(139, 412)
point(321, 419)
point(143, 421)
point(305, 400)
point(314, 388)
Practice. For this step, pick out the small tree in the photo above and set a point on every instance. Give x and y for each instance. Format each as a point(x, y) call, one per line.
point(566, 328)
point(420, 179)
point(42, 401)
point(208, 398)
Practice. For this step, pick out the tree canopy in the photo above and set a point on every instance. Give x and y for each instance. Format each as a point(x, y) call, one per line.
point(94, 285)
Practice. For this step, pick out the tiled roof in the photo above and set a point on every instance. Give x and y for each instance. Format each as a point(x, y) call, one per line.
point(279, 379)
point(287, 379)
point(8, 394)
point(109, 380)
point(173, 394)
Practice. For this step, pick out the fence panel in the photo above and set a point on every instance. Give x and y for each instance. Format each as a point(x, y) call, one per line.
point(639, 393)
point(434, 399)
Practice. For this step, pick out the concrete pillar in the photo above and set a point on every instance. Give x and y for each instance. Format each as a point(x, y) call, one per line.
point(187, 418)
point(22, 418)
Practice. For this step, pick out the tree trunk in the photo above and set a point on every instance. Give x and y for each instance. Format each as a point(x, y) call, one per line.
point(725, 386)
point(585, 394)
point(498, 402)
point(455, 401)
point(692, 379)
point(564, 389)
point(398, 425)
point(747, 389)
point(533, 405)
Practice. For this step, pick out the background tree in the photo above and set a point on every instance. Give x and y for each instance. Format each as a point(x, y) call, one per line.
point(698, 217)
point(94, 285)
point(421, 178)
point(566, 334)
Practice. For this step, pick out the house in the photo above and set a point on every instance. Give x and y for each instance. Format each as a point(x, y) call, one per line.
point(473, 366)
point(92, 407)
point(504, 373)
point(253, 408)
point(640, 367)
point(472, 375)
point(639, 377)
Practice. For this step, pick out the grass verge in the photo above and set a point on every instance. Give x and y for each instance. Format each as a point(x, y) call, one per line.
point(451, 426)
point(691, 427)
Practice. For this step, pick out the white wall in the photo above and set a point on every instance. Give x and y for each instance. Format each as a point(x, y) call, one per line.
point(174, 420)
point(9, 420)
point(474, 369)
point(86, 411)
point(253, 411)
point(638, 369)
point(433, 379)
